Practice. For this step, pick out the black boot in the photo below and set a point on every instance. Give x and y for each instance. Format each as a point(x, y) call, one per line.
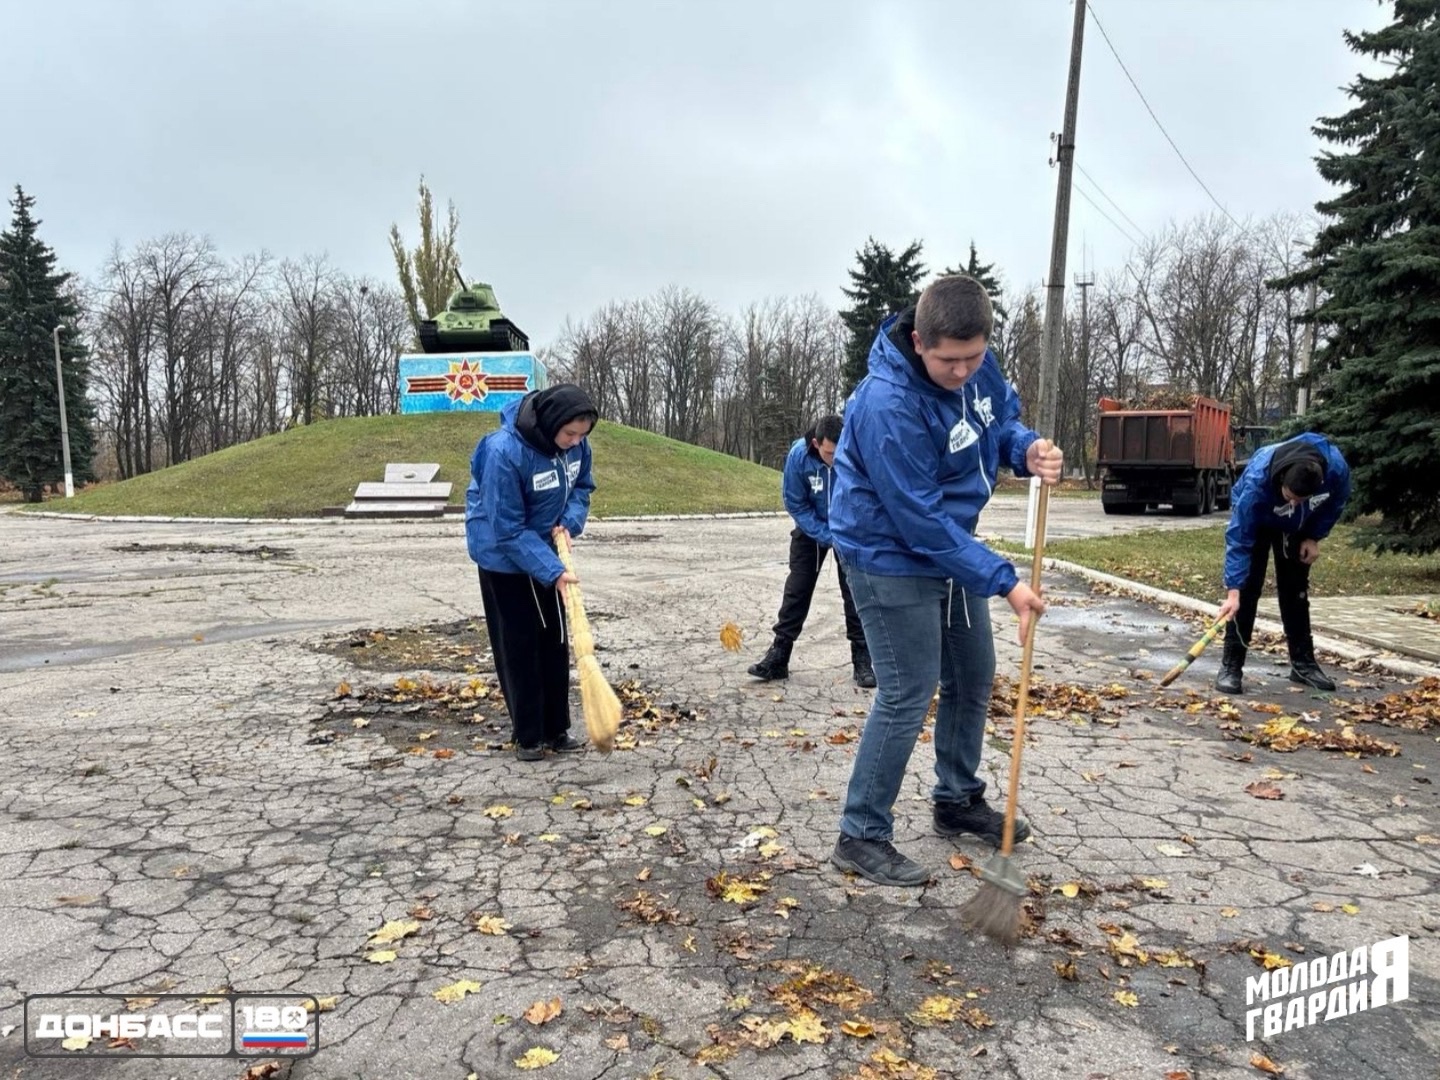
point(1305, 671)
point(860, 661)
point(1232, 668)
point(775, 664)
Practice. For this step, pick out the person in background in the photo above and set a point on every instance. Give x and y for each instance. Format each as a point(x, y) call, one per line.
point(530, 484)
point(806, 484)
point(1287, 500)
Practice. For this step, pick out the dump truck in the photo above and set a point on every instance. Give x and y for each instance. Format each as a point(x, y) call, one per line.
point(1181, 458)
point(471, 322)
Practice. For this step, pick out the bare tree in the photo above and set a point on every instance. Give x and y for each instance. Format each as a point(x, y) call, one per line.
point(310, 319)
point(425, 273)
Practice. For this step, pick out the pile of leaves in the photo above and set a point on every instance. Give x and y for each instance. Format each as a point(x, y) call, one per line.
point(1416, 708)
point(462, 645)
point(1426, 609)
point(1284, 734)
point(1057, 701)
point(816, 1005)
point(471, 707)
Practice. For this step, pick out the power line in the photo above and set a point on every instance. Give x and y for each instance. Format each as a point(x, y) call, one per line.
point(1159, 125)
point(1096, 185)
point(1099, 210)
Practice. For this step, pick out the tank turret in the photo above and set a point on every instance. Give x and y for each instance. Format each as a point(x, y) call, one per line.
point(471, 322)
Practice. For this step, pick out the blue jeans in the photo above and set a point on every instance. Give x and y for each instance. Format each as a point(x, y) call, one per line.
point(921, 631)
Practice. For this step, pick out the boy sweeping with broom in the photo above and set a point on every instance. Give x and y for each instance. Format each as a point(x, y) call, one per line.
point(530, 486)
point(925, 435)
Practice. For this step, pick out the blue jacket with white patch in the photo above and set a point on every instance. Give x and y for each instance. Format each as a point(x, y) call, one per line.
point(916, 464)
point(517, 495)
point(806, 488)
point(1256, 503)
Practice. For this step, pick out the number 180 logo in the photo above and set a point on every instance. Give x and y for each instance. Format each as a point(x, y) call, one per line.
point(220, 1024)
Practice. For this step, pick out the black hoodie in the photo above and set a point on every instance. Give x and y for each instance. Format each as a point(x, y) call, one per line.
point(1293, 453)
point(901, 339)
point(544, 412)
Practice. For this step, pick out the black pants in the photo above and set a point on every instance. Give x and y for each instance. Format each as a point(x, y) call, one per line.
point(806, 558)
point(526, 624)
point(1292, 590)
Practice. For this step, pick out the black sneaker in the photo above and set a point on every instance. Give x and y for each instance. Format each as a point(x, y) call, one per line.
point(1308, 673)
point(978, 818)
point(565, 744)
point(878, 861)
point(529, 753)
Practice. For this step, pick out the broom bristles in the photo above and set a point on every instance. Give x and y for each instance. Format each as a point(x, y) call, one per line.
point(601, 706)
point(995, 912)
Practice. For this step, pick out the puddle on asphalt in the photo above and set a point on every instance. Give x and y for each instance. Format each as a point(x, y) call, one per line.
point(20, 656)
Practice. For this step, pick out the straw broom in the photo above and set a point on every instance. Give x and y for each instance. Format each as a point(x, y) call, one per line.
point(597, 698)
point(1194, 653)
point(995, 909)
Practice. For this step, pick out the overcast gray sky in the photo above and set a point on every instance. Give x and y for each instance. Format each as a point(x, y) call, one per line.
point(601, 150)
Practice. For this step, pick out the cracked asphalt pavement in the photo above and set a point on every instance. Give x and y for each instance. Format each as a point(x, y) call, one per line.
point(187, 806)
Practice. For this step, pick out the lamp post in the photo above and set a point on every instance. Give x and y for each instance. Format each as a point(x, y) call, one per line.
point(64, 430)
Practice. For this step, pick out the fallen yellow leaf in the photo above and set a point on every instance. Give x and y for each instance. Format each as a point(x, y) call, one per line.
point(655, 830)
point(1070, 889)
point(1350, 909)
point(537, 1057)
point(384, 956)
point(1264, 1064)
point(497, 811)
point(448, 995)
point(1126, 998)
point(491, 924)
point(730, 637)
point(1229, 912)
point(636, 800)
point(394, 930)
point(858, 1029)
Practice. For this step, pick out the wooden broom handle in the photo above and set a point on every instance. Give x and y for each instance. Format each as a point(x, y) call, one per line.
point(1026, 656)
point(574, 602)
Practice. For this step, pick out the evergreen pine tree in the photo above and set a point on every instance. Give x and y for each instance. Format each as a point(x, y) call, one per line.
point(985, 274)
point(884, 283)
point(34, 299)
point(1377, 374)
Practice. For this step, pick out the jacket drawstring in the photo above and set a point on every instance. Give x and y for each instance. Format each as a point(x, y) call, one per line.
point(965, 603)
point(538, 609)
point(560, 617)
point(949, 599)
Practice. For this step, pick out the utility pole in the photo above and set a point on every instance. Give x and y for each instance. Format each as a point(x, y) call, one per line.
point(1302, 395)
point(1085, 285)
point(64, 430)
point(1055, 283)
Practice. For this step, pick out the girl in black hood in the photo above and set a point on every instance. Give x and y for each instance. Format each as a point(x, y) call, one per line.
point(530, 484)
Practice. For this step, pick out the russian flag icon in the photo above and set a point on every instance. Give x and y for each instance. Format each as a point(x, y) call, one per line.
point(274, 1040)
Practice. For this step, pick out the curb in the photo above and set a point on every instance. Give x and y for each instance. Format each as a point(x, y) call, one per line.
point(1344, 646)
point(145, 519)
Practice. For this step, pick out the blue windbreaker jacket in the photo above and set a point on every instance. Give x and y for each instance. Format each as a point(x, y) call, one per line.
point(806, 489)
point(517, 495)
point(916, 464)
point(1255, 505)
